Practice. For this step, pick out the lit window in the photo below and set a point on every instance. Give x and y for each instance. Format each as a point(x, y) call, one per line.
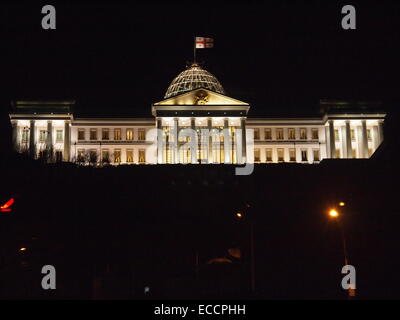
point(25, 134)
point(59, 135)
point(42, 135)
point(105, 158)
point(129, 134)
point(369, 152)
point(142, 156)
point(279, 134)
point(314, 133)
point(316, 155)
point(93, 156)
point(369, 137)
point(256, 155)
point(268, 135)
point(268, 155)
point(337, 153)
point(81, 134)
point(303, 134)
point(353, 135)
point(105, 134)
point(280, 155)
point(81, 158)
point(291, 134)
point(292, 154)
point(117, 134)
point(93, 134)
point(256, 134)
point(117, 156)
point(303, 155)
point(354, 154)
point(141, 134)
point(129, 156)
point(336, 135)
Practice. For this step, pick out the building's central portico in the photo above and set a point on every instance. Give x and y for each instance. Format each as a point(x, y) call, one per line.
point(201, 126)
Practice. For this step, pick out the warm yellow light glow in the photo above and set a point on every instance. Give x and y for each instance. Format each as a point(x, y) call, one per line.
point(342, 204)
point(22, 249)
point(239, 215)
point(333, 213)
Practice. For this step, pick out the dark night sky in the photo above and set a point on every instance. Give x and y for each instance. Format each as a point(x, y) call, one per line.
point(280, 58)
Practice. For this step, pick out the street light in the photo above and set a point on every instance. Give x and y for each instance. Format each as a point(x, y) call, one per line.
point(240, 215)
point(334, 213)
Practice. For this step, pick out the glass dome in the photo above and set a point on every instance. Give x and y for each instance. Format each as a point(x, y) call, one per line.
point(193, 78)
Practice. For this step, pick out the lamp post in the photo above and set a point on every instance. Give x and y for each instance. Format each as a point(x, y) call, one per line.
point(244, 215)
point(335, 215)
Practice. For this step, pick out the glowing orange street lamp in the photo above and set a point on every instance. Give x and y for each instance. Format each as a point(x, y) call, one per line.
point(342, 204)
point(333, 213)
point(239, 215)
point(22, 249)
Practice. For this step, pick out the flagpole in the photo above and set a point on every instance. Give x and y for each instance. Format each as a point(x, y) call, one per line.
point(194, 51)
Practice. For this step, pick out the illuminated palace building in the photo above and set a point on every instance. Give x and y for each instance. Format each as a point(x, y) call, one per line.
point(197, 123)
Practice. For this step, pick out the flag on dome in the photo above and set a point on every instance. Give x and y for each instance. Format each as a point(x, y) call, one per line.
point(204, 43)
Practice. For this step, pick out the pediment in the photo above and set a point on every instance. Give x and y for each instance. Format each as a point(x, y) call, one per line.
point(199, 97)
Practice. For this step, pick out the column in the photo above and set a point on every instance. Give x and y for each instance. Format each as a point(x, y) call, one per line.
point(380, 131)
point(364, 139)
point(348, 140)
point(327, 144)
point(14, 124)
point(67, 141)
point(227, 144)
point(159, 141)
point(193, 142)
point(332, 146)
point(32, 140)
point(176, 142)
point(244, 146)
point(210, 154)
point(49, 141)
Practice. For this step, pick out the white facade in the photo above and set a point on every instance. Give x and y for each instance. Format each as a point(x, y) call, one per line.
point(213, 125)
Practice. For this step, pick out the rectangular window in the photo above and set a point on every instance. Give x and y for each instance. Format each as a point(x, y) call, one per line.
point(129, 156)
point(279, 134)
point(81, 155)
point(59, 135)
point(314, 133)
point(353, 135)
point(267, 133)
point(291, 134)
point(316, 155)
point(81, 134)
point(117, 155)
point(42, 135)
point(268, 155)
point(354, 153)
point(117, 134)
point(303, 133)
point(93, 156)
point(142, 156)
point(369, 137)
point(141, 134)
point(292, 154)
point(369, 152)
point(93, 134)
point(59, 156)
point(25, 134)
point(129, 134)
point(280, 155)
point(256, 155)
point(336, 135)
point(303, 155)
point(337, 153)
point(105, 134)
point(105, 156)
point(256, 134)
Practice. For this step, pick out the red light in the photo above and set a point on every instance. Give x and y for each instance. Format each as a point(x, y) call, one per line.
point(7, 206)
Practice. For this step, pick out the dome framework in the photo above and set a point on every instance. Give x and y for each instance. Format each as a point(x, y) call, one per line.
point(193, 78)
